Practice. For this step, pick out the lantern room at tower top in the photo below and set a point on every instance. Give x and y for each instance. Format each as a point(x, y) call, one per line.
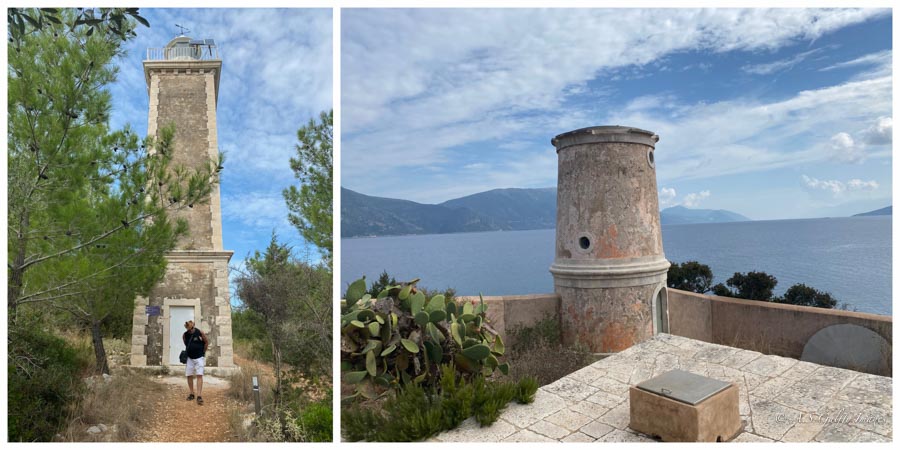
point(185, 53)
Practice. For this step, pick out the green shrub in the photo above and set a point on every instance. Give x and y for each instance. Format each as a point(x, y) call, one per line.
point(402, 337)
point(526, 389)
point(249, 329)
point(44, 375)
point(297, 419)
point(415, 413)
point(316, 421)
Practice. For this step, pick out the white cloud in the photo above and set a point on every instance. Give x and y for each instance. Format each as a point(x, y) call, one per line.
point(693, 199)
point(703, 67)
point(875, 59)
point(667, 197)
point(257, 209)
point(857, 185)
point(779, 65)
point(881, 133)
point(477, 166)
point(846, 150)
point(837, 187)
point(419, 82)
point(649, 102)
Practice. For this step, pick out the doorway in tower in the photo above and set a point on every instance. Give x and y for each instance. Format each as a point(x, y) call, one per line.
point(178, 315)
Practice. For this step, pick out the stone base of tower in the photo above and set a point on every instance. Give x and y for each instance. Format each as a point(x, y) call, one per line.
point(606, 320)
point(195, 287)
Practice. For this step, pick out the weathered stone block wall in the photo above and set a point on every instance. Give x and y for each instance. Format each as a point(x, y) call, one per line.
point(204, 282)
point(182, 101)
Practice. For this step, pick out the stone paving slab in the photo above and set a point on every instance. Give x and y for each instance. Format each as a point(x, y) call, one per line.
point(781, 399)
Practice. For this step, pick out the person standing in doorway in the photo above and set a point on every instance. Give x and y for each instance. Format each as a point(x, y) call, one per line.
point(195, 343)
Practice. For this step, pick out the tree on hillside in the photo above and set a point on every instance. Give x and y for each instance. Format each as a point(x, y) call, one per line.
point(751, 286)
point(803, 295)
point(690, 276)
point(89, 209)
point(293, 299)
point(311, 206)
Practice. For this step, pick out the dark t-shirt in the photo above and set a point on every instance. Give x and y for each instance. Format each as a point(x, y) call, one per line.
point(194, 344)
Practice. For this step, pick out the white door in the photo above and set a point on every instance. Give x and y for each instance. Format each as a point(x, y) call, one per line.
point(178, 315)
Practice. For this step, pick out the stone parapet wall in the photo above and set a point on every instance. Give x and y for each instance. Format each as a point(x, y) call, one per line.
point(770, 328)
point(508, 312)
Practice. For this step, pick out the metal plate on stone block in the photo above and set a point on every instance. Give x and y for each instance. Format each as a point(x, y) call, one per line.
point(683, 386)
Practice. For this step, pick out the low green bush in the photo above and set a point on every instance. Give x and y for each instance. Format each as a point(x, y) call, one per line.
point(415, 412)
point(249, 331)
point(316, 420)
point(44, 375)
point(297, 420)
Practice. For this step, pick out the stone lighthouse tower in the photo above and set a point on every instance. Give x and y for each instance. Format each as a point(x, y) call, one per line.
point(609, 269)
point(183, 84)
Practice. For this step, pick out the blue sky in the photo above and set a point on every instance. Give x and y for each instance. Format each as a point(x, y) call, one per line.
point(276, 75)
point(774, 114)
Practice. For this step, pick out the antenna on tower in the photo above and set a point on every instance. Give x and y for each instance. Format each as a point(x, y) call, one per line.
point(183, 29)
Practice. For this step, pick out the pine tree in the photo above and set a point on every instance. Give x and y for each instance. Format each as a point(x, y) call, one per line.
point(89, 209)
point(311, 206)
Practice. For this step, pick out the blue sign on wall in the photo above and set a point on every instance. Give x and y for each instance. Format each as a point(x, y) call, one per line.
point(153, 310)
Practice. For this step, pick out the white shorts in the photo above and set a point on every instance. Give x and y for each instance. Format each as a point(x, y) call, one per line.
point(194, 366)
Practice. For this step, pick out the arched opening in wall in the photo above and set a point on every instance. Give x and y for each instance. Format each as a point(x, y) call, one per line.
point(850, 346)
point(660, 310)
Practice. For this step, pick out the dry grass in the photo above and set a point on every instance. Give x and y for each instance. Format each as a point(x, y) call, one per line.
point(112, 403)
point(236, 424)
point(241, 388)
point(536, 351)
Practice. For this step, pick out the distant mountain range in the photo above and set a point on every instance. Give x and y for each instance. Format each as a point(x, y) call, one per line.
point(678, 215)
point(498, 209)
point(886, 211)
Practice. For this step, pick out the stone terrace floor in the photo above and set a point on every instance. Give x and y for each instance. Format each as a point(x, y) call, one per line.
point(777, 396)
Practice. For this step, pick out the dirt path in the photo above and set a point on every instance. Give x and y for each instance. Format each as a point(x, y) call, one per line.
point(174, 419)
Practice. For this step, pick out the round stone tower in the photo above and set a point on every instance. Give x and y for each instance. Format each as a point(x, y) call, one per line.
point(610, 269)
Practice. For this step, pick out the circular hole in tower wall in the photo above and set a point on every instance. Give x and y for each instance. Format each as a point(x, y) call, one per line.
point(584, 242)
point(650, 159)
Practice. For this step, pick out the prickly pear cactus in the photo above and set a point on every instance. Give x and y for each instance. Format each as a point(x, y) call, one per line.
point(402, 337)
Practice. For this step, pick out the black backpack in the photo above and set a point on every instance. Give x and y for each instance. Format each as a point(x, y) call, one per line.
point(197, 335)
point(183, 357)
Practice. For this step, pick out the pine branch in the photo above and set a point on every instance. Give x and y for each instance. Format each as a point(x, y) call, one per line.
point(30, 262)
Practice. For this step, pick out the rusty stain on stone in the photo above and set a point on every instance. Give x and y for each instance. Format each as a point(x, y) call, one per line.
point(608, 248)
point(616, 337)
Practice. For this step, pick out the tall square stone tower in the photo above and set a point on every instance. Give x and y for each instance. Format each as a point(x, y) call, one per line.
point(183, 84)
